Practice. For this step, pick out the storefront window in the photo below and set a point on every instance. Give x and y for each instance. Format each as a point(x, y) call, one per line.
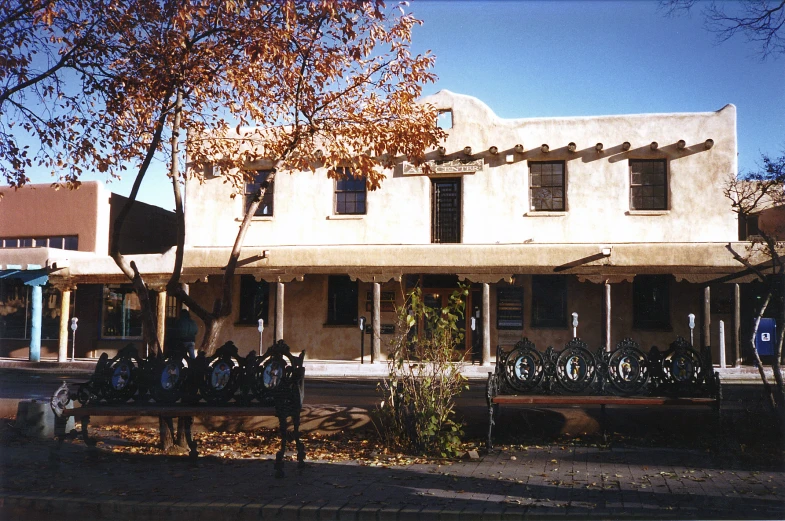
point(16, 316)
point(122, 314)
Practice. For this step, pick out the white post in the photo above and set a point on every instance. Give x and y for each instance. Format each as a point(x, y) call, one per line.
point(607, 316)
point(261, 336)
point(65, 308)
point(722, 345)
point(376, 344)
point(161, 318)
point(279, 312)
point(486, 324)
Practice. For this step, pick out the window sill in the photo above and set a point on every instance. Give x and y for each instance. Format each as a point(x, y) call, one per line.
point(647, 212)
point(535, 213)
point(346, 217)
point(257, 218)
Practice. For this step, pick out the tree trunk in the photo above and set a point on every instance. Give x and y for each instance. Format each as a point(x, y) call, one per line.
point(213, 329)
point(767, 389)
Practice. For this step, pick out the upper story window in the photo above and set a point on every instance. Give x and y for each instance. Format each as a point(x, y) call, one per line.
point(748, 227)
point(547, 186)
point(350, 193)
point(648, 184)
point(444, 119)
point(68, 242)
point(266, 206)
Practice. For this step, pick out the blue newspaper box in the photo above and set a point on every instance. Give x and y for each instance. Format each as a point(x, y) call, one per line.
point(765, 340)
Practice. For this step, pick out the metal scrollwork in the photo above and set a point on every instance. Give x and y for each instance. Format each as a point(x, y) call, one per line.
point(221, 375)
point(122, 381)
point(627, 370)
point(169, 378)
point(575, 367)
point(627, 367)
point(523, 367)
point(682, 367)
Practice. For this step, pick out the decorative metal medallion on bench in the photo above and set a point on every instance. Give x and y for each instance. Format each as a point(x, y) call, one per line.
point(185, 387)
point(624, 376)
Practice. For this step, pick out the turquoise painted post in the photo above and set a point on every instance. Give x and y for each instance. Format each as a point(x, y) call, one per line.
point(35, 330)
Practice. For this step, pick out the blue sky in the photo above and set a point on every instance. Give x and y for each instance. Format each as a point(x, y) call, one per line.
point(560, 58)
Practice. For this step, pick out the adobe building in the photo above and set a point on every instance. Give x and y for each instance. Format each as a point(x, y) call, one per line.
point(620, 219)
point(43, 231)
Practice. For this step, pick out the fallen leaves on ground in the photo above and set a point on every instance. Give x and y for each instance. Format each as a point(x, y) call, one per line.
point(264, 443)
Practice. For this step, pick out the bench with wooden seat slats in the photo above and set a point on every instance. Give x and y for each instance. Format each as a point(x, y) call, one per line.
point(625, 376)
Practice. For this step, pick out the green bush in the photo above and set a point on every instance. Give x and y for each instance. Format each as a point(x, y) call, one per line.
point(416, 414)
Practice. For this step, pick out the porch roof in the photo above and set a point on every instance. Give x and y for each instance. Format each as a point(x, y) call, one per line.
point(695, 262)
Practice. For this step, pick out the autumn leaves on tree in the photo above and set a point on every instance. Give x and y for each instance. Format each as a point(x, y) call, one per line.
point(111, 86)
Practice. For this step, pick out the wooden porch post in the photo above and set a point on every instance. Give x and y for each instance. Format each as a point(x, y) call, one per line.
point(736, 328)
point(161, 316)
point(707, 317)
point(607, 316)
point(376, 344)
point(65, 309)
point(486, 323)
point(279, 311)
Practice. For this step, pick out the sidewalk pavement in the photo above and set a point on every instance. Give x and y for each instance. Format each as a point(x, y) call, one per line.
point(336, 369)
point(553, 481)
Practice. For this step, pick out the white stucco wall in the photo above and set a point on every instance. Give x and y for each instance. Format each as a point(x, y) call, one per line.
point(496, 199)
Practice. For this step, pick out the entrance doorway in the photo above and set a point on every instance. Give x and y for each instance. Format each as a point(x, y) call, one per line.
point(446, 210)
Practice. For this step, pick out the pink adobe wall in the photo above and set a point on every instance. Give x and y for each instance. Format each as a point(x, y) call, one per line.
point(39, 210)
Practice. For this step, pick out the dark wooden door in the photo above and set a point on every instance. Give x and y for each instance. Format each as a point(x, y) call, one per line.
point(446, 210)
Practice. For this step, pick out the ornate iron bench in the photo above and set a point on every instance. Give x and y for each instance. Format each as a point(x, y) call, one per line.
point(627, 376)
point(224, 384)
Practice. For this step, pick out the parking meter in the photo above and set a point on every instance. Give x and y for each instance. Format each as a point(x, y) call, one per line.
point(74, 320)
point(362, 339)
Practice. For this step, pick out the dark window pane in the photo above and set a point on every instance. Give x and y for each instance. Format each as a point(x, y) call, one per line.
point(254, 300)
point(549, 301)
point(546, 186)
point(651, 302)
point(121, 314)
point(349, 194)
point(26, 243)
point(15, 317)
point(648, 184)
point(56, 242)
point(341, 300)
point(71, 242)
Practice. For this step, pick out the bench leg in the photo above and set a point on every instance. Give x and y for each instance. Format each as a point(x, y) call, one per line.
point(491, 423)
point(187, 423)
point(298, 442)
point(282, 429)
point(90, 442)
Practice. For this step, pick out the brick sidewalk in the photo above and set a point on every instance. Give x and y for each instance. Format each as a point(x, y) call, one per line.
point(554, 481)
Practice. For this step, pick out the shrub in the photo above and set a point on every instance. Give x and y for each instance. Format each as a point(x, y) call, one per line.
point(416, 414)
